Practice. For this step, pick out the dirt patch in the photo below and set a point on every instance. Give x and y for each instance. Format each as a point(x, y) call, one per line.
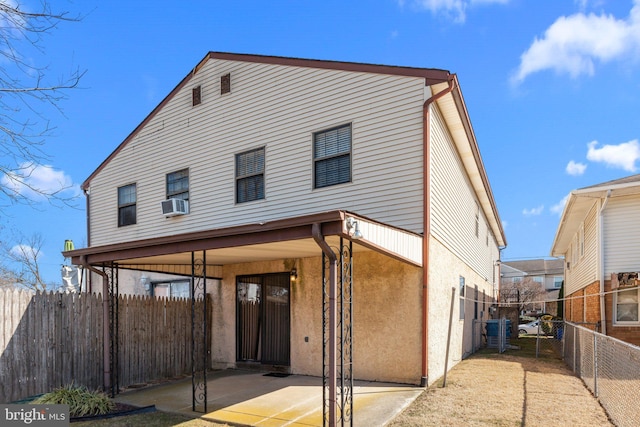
point(506, 390)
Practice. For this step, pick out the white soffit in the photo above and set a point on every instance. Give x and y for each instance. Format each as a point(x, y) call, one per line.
point(390, 240)
point(303, 248)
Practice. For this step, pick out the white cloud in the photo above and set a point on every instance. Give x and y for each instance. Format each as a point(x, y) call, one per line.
point(35, 181)
point(621, 156)
point(26, 251)
point(573, 44)
point(454, 9)
point(559, 207)
point(533, 211)
point(575, 169)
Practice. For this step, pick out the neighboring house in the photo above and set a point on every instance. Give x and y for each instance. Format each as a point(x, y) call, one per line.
point(282, 160)
point(548, 274)
point(599, 237)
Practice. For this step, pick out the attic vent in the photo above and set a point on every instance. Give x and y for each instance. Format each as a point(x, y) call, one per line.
point(225, 84)
point(196, 95)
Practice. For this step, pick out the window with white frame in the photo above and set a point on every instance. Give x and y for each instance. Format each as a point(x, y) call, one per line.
point(581, 240)
point(332, 157)
point(250, 175)
point(626, 306)
point(178, 185)
point(127, 205)
point(172, 289)
point(557, 281)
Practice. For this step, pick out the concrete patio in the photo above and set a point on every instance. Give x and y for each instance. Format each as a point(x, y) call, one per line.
point(249, 398)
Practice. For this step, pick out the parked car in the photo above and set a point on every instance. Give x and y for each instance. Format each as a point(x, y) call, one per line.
point(530, 328)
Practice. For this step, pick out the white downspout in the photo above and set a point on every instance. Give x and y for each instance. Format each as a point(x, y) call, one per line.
point(603, 319)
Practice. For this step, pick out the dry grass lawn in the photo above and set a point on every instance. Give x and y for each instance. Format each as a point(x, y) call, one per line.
point(506, 390)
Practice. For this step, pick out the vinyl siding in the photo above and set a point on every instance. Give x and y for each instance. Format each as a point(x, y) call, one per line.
point(622, 235)
point(279, 108)
point(454, 204)
point(585, 270)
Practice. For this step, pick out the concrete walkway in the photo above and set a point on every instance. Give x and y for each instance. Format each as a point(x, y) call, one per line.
point(249, 398)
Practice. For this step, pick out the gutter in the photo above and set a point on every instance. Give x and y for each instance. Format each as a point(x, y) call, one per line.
point(603, 319)
point(426, 223)
point(106, 333)
point(316, 231)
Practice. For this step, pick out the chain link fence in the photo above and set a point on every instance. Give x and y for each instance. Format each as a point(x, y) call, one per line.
point(492, 334)
point(610, 368)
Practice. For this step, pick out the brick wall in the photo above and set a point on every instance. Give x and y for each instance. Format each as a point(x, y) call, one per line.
point(592, 302)
point(630, 334)
point(583, 306)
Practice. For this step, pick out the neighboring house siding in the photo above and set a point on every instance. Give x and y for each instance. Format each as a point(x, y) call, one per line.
point(585, 269)
point(454, 204)
point(622, 235)
point(279, 108)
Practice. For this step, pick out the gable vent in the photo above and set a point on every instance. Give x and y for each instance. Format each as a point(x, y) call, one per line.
point(196, 95)
point(225, 84)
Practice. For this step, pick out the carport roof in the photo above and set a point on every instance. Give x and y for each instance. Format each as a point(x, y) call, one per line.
point(279, 239)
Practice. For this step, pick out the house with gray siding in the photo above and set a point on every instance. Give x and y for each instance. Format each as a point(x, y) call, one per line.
point(274, 178)
point(548, 274)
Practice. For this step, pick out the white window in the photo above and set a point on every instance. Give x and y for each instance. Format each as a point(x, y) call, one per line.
point(626, 307)
point(557, 281)
point(174, 289)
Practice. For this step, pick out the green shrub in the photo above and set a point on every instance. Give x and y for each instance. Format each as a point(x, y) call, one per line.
point(81, 401)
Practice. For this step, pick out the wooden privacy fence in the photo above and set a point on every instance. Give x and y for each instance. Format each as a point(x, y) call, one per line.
point(154, 340)
point(48, 340)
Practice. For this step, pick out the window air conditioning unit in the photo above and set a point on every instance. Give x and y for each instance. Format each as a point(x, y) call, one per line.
point(173, 207)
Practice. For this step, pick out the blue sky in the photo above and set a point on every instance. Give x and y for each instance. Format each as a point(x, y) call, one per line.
point(552, 87)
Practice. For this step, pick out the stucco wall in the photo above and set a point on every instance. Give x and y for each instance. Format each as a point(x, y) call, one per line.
point(445, 270)
point(386, 319)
